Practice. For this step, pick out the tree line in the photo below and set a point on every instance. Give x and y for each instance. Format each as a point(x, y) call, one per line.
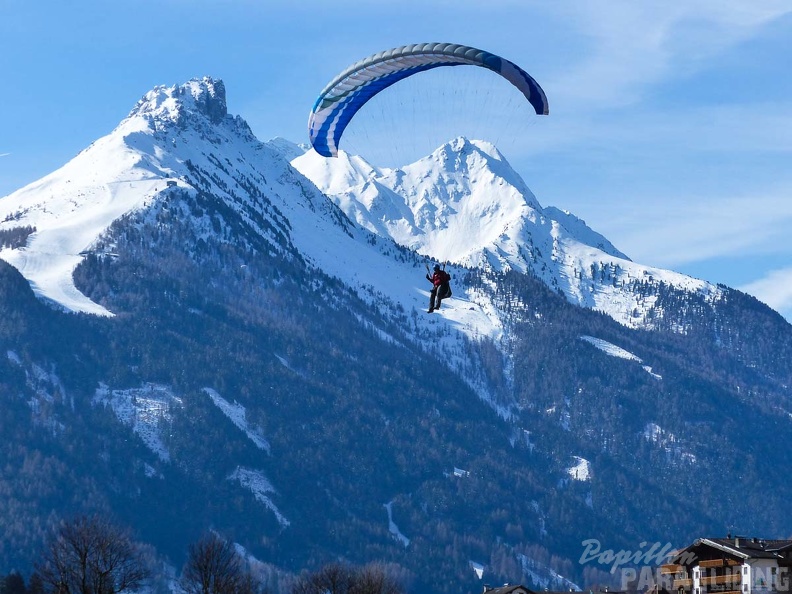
point(92, 555)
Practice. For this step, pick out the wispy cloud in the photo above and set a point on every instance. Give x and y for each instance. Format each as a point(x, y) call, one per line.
point(631, 53)
point(674, 232)
point(741, 127)
point(4, 154)
point(636, 44)
point(774, 289)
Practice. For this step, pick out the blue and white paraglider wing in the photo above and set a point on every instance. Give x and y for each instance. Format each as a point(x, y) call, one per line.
point(349, 91)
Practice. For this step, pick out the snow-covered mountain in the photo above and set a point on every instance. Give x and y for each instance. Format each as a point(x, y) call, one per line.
point(125, 171)
point(259, 361)
point(176, 138)
point(373, 229)
point(180, 139)
point(465, 204)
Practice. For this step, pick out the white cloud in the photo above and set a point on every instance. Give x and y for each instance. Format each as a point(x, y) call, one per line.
point(605, 99)
point(668, 232)
point(4, 154)
point(765, 126)
point(738, 128)
point(636, 44)
point(774, 289)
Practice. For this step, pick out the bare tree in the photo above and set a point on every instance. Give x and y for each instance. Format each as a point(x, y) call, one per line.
point(214, 567)
point(339, 578)
point(335, 578)
point(375, 579)
point(90, 555)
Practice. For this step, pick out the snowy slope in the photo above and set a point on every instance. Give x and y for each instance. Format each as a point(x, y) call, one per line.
point(171, 132)
point(183, 135)
point(462, 204)
point(121, 172)
point(70, 208)
point(465, 204)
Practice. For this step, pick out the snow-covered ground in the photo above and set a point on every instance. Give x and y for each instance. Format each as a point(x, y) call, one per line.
point(611, 349)
point(462, 204)
point(477, 568)
point(147, 410)
point(393, 528)
point(580, 470)
point(616, 351)
point(465, 204)
point(70, 207)
point(238, 416)
point(258, 484)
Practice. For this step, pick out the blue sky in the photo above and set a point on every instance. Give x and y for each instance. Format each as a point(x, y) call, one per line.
point(670, 129)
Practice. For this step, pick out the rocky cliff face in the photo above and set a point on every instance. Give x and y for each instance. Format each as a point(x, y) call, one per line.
point(205, 97)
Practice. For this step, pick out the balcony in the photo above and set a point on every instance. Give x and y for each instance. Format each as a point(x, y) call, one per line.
point(719, 580)
point(718, 563)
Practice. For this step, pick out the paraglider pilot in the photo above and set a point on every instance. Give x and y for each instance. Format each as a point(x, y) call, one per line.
point(441, 288)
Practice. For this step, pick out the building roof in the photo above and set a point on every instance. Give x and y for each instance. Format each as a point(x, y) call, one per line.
point(508, 589)
point(753, 548)
point(742, 547)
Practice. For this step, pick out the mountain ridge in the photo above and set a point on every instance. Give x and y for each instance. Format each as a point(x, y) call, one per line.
point(486, 215)
point(270, 373)
point(465, 204)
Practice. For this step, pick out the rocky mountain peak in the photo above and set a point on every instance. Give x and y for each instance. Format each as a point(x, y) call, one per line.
point(205, 97)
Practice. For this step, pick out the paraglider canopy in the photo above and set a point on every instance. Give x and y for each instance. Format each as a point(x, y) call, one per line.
point(343, 97)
